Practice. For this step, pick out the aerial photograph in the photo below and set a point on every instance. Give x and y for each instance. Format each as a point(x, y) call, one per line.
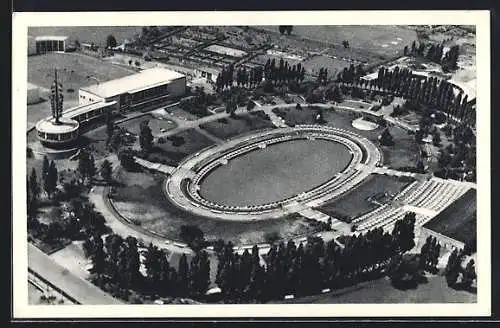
point(251, 164)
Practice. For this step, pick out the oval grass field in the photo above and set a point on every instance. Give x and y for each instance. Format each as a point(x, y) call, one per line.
point(276, 172)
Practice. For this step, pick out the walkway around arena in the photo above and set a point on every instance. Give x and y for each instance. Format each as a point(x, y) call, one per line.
point(80, 290)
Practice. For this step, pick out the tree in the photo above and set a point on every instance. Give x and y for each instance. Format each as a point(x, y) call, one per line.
point(193, 236)
point(199, 273)
point(33, 185)
point(110, 128)
point(45, 167)
point(436, 138)
point(106, 170)
point(345, 43)
point(231, 107)
point(152, 263)
point(386, 138)
point(183, 275)
point(272, 237)
point(403, 233)
point(111, 41)
point(86, 165)
point(250, 105)
point(127, 160)
point(146, 137)
point(50, 181)
point(469, 274)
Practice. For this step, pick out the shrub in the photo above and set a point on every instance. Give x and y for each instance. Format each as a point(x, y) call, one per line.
point(272, 237)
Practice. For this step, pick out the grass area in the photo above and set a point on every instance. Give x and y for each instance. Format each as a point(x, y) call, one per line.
point(157, 125)
point(313, 65)
point(380, 39)
point(73, 70)
point(176, 147)
point(458, 220)
point(180, 113)
point(88, 34)
point(230, 127)
point(368, 44)
point(402, 154)
point(140, 196)
point(276, 172)
point(405, 151)
point(355, 104)
point(357, 201)
point(381, 291)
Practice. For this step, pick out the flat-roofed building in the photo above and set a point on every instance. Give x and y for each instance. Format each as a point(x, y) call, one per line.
point(146, 89)
point(50, 43)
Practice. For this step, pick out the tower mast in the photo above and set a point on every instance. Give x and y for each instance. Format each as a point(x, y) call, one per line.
point(57, 97)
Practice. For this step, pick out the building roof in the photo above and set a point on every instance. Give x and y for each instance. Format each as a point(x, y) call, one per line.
point(132, 83)
point(74, 111)
point(457, 221)
point(77, 288)
point(51, 38)
point(48, 125)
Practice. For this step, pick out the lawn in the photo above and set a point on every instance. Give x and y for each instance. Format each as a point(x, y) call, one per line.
point(356, 202)
point(88, 34)
point(73, 71)
point(380, 39)
point(180, 113)
point(173, 149)
point(368, 44)
point(141, 197)
point(381, 291)
point(458, 220)
point(157, 125)
point(277, 172)
point(230, 127)
point(355, 104)
point(333, 65)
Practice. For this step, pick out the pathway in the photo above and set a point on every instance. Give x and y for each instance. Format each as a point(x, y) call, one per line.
point(166, 169)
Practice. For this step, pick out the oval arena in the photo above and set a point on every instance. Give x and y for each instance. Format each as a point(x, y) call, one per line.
point(185, 185)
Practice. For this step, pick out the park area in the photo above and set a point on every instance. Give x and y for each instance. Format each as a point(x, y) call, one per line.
point(276, 172)
point(377, 189)
point(140, 197)
point(226, 128)
point(173, 149)
point(403, 154)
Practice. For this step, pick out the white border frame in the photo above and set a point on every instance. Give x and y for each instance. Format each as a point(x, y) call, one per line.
point(20, 23)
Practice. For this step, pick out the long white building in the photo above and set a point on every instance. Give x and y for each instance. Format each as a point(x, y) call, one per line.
point(149, 88)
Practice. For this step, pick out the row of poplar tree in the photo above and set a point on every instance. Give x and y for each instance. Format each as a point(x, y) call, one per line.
point(302, 269)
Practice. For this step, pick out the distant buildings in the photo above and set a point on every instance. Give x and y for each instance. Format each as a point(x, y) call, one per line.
point(46, 43)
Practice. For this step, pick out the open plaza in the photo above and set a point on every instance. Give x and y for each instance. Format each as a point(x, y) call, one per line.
point(207, 145)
